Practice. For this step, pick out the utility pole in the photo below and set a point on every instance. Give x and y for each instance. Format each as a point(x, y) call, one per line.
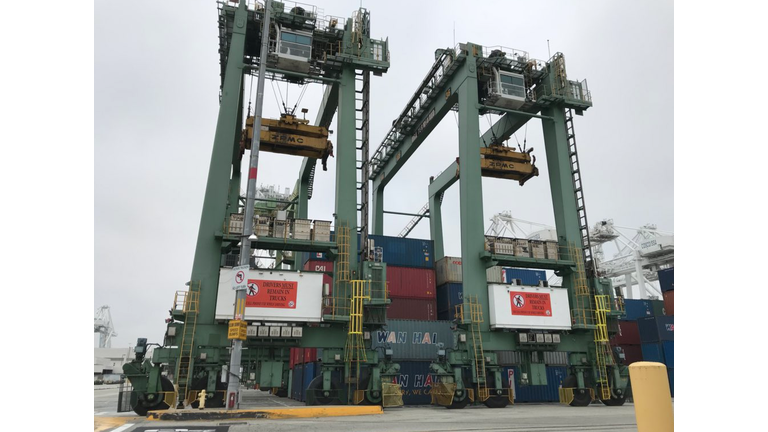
point(233, 386)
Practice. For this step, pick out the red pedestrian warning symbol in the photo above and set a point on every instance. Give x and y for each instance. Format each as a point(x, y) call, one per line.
point(518, 301)
point(240, 276)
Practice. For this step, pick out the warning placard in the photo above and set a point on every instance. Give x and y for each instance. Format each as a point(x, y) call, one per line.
point(271, 294)
point(531, 304)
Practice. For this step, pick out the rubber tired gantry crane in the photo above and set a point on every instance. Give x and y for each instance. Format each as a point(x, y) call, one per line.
point(307, 47)
point(475, 81)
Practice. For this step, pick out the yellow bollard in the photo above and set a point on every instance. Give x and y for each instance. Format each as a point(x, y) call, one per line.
point(201, 399)
point(653, 402)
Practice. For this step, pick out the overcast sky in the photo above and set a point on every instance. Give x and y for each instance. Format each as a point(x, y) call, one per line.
point(156, 104)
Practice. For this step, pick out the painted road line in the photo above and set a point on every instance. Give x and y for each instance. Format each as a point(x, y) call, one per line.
point(123, 427)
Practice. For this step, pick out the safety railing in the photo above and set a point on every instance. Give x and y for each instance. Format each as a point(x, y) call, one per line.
point(391, 395)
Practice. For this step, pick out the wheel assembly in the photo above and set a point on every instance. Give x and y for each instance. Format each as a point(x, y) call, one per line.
point(617, 401)
point(214, 401)
point(151, 402)
point(581, 397)
point(458, 402)
point(496, 401)
point(320, 396)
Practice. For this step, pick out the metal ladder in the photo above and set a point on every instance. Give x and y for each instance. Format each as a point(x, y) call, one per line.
point(416, 219)
point(602, 344)
point(362, 97)
point(578, 190)
point(476, 317)
point(311, 185)
point(582, 312)
point(354, 350)
point(190, 305)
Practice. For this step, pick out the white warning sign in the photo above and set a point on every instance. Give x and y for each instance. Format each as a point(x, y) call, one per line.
point(240, 278)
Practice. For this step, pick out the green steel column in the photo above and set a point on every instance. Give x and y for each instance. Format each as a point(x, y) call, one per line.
point(436, 225)
point(234, 183)
point(561, 180)
point(378, 209)
point(471, 190)
point(205, 267)
point(346, 171)
point(302, 209)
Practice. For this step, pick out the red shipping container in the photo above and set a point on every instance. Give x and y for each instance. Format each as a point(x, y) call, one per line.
point(628, 334)
point(319, 266)
point(411, 283)
point(412, 309)
point(669, 303)
point(632, 353)
point(292, 358)
point(310, 355)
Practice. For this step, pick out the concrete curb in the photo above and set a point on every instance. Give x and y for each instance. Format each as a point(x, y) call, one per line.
point(267, 413)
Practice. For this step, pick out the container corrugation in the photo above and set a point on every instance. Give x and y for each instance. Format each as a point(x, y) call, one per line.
point(448, 270)
point(411, 282)
point(551, 248)
point(281, 229)
point(671, 375)
point(413, 339)
point(667, 279)
point(658, 308)
point(415, 381)
point(412, 309)
point(556, 358)
point(669, 302)
point(507, 358)
point(261, 226)
point(302, 229)
point(310, 355)
point(405, 252)
point(291, 385)
point(526, 276)
point(538, 393)
point(522, 248)
point(310, 372)
point(236, 223)
point(537, 249)
point(319, 266)
point(628, 333)
point(637, 309)
point(655, 329)
point(495, 275)
point(632, 353)
point(448, 297)
point(669, 353)
point(652, 352)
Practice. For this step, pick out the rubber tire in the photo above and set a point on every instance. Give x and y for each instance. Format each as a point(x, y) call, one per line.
point(579, 399)
point(459, 404)
point(614, 401)
point(317, 384)
point(141, 410)
point(496, 402)
point(364, 383)
point(282, 392)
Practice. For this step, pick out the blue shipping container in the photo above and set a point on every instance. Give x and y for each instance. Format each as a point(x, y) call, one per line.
point(667, 279)
point(413, 339)
point(669, 353)
point(637, 309)
point(406, 252)
point(448, 296)
point(655, 329)
point(671, 375)
point(526, 276)
point(652, 352)
point(310, 372)
point(539, 393)
point(297, 382)
point(415, 382)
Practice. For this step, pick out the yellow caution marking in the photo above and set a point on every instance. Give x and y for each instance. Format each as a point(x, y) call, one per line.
point(267, 413)
point(103, 424)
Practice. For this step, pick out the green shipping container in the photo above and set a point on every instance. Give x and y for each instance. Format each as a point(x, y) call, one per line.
point(658, 307)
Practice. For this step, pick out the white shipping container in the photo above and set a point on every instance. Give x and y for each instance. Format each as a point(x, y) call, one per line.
point(236, 223)
point(281, 229)
point(273, 295)
point(489, 241)
point(495, 275)
point(551, 248)
point(537, 249)
point(302, 229)
point(522, 248)
point(321, 231)
point(504, 248)
point(448, 270)
point(261, 228)
point(534, 308)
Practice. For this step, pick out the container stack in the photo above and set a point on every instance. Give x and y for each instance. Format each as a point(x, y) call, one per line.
point(556, 369)
point(410, 276)
point(667, 283)
point(449, 282)
point(304, 367)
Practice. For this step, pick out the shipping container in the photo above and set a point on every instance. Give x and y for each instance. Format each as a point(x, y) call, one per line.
point(537, 249)
point(669, 302)
point(669, 353)
point(658, 308)
point(317, 256)
point(637, 309)
point(537, 393)
point(302, 229)
point(321, 231)
point(652, 352)
point(448, 270)
point(526, 276)
point(667, 279)
point(318, 266)
point(412, 339)
point(405, 252)
point(632, 353)
point(552, 250)
point(291, 385)
point(411, 282)
point(522, 247)
point(495, 275)
point(448, 297)
point(415, 381)
point(671, 375)
point(412, 309)
point(628, 333)
point(310, 355)
point(655, 329)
